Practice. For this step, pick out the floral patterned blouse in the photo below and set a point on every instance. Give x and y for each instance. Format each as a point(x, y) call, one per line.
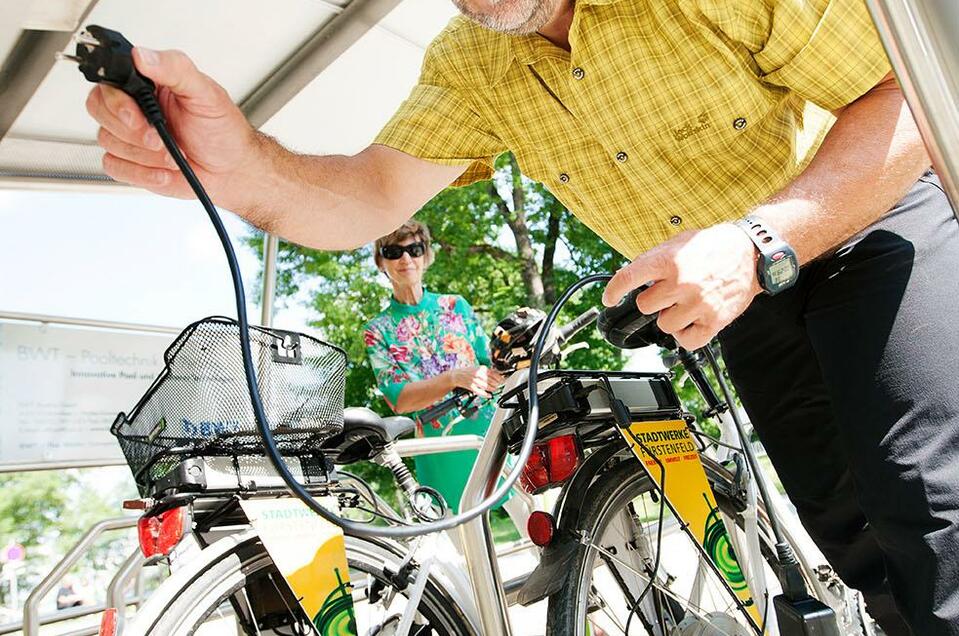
point(408, 343)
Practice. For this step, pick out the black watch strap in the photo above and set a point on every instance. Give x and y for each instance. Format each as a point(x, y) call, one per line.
point(777, 266)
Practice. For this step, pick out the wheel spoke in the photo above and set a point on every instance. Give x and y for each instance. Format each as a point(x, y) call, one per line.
point(619, 544)
point(249, 611)
point(699, 612)
point(604, 608)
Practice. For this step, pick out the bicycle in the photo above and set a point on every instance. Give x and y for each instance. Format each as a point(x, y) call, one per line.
point(196, 517)
point(582, 567)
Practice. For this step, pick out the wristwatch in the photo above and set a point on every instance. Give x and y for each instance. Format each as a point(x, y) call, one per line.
point(777, 267)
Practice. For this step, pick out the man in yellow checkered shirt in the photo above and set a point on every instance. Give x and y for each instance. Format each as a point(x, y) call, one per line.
point(661, 124)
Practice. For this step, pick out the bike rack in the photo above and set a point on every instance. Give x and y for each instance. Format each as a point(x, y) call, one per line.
point(63, 615)
point(31, 619)
point(116, 591)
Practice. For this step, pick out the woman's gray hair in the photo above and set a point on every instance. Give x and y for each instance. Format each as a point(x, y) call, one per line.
point(411, 228)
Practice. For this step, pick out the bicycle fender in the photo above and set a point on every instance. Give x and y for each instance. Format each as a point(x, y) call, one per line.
point(149, 613)
point(566, 510)
point(551, 571)
point(554, 560)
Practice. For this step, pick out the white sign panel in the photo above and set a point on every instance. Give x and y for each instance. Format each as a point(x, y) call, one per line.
point(61, 388)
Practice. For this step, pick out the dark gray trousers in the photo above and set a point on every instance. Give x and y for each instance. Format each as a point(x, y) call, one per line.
point(851, 379)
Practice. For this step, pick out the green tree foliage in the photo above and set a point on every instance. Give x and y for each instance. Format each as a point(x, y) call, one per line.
point(31, 504)
point(47, 511)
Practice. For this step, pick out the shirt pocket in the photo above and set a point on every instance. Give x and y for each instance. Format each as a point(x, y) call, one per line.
point(725, 124)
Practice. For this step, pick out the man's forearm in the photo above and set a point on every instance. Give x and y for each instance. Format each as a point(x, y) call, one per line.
point(871, 157)
point(324, 202)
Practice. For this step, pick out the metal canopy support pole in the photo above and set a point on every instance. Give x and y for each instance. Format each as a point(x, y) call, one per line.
point(271, 245)
point(921, 38)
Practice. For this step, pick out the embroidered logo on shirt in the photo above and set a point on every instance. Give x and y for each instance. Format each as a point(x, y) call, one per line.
point(687, 131)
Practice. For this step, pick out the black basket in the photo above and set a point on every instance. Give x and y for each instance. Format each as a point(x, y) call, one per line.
point(200, 403)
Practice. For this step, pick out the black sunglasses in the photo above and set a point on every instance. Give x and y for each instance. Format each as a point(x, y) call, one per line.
point(395, 252)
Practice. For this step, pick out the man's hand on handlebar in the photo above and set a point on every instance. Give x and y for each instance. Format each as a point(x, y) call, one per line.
point(701, 281)
point(481, 381)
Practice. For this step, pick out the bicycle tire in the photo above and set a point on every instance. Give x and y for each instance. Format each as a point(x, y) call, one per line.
point(607, 497)
point(191, 606)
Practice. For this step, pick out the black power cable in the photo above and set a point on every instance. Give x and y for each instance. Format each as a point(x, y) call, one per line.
point(105, 57)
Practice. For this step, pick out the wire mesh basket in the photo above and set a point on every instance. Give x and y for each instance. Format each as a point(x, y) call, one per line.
point(199, 404)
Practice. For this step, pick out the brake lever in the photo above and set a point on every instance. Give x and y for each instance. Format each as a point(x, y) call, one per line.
point(469, 407)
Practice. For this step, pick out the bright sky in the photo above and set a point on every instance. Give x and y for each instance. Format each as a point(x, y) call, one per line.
point(126, 257)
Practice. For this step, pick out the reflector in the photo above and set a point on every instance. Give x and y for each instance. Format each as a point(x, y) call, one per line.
point(108, 623)
point(541, 527)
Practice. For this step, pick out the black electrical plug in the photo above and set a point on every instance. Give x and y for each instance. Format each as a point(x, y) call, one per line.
point(106, 57)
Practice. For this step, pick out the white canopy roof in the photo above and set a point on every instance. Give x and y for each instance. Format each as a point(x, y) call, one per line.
point(320, 75)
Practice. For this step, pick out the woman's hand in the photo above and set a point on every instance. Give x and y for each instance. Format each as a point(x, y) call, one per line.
point(479, 380)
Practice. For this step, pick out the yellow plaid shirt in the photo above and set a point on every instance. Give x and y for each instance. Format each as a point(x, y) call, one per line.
point(667, 114)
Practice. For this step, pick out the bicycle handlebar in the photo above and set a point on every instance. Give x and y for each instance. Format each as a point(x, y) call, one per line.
point(462, 398)
point(440, 409)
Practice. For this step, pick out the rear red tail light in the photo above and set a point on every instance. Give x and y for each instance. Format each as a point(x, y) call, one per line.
point(160, 533)
point(108, 624)
point(551, 463)
point(541, 527)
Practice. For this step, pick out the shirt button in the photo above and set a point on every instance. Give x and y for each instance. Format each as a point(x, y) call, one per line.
point(739, 123)
point(564, 177)
point(579, 73)
point(621, 156)
point(675, 220)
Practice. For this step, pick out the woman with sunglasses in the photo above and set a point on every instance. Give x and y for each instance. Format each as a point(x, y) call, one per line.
point(423, 346)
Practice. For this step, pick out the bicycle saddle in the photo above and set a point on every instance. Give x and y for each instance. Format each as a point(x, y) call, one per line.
point(626, 327)
point(364, 435)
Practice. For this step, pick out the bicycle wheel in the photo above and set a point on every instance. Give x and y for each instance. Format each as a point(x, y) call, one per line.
point(613, 564)
point(243, 593)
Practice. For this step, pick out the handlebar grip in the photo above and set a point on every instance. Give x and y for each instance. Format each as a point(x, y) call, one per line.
point(625, 327)
point(442, 408)
point(580, 322)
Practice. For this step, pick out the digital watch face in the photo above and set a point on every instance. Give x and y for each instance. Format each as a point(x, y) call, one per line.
point(781, 272)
